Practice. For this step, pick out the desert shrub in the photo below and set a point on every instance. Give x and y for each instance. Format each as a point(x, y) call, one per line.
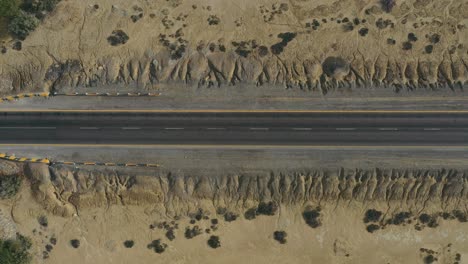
point(372, 215)
point(37, 6)
point(129, 243)
point(118, 37)
point(214, 242)
point(75, 243)
point(192, 232)
point(280, 236)
point(312, 217)
point(230, 216)
point(461, 216)
point(372, 227)
point(22, 24)
point(387, 5)
point(9, 186)
point(9, 8)
point(400, 218)
point(42, 220)
point(250, 214)
point(170, 234)
point(269, 208)
point(157, 246)
point(15, 251)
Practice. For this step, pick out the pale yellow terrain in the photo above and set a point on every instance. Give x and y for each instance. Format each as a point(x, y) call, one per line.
point(104, 208)
point(227, 43)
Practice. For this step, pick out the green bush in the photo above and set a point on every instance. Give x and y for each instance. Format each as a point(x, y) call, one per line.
point(9, 8)
point(35, 6)
point(9, 186)
point(22, 25)
point(15, 251)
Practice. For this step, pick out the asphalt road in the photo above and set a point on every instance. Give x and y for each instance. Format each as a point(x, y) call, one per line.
point(241, 128)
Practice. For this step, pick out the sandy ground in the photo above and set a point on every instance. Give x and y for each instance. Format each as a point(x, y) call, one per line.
point(346, 47)
point(342, 238)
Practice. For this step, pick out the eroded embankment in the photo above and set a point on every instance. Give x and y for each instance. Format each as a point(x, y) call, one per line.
point(312, 45)
point(65, 190)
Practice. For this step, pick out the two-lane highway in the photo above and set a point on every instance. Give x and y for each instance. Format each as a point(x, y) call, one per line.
point(235, 128)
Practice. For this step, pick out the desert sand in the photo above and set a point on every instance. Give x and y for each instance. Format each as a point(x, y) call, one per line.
point(314, 45)
point(328, 216)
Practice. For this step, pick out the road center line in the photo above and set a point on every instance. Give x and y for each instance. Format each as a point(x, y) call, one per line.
point(431, 129)
point(302, 128)
point(131, 128)
point(174, 128)
point(388, 129)
point(88, 128)
point(346, 128)
point(28, 128)
point(259, 128)
point(215, 128)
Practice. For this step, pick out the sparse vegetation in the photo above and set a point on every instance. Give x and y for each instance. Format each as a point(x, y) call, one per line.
point(9, 186)
point(22, 25)
point(387, 5)
point(75, 243)
point(192, 232)
point(312, 217)
point(37, 6)
point(372, 215)
point(9, 8)
point(157, 246)
point(42, 220)
point(372, 227)
point(214, 242)
point(129, 243)
point(15, 251)
point(230, 216)
point(280, 236)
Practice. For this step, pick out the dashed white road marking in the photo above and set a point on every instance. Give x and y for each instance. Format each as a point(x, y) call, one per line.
point(88, 128)
point(259, 128)
point(215, 128)
point(388, 129)
point(131, 128)
point(28, 128)
point(346, 128)
point(174, 128)
point(431, 129)
point(302, 128)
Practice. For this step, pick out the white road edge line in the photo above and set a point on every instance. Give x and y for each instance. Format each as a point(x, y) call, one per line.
point(28, 128)
point(88, 128)
point(436, 129)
